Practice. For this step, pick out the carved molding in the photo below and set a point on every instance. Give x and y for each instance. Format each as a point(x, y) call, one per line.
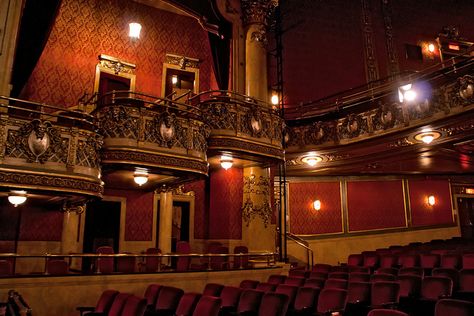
point(257, 11)
point(116, 65)
point(182, 61)
point(52, 182)
point(393, 66)
point(122, 156)
point(242, 145)
point(372, 70)
point(257, 188)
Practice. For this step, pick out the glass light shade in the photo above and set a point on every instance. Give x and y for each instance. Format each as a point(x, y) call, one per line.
point(431, 47)
point(275, 99)
point(427, 138)
point(134, 30)
point(312, 161)
point(431, 200)
point(140, 179)
point(317, 205)
point(174, 79)
point(226, 162)
point(16, 199)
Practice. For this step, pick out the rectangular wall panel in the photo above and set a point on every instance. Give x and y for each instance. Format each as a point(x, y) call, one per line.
point(375, 205)
point(423, 214)
point(304, 220)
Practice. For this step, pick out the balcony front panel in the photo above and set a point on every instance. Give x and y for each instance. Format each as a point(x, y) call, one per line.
point(49, 152)
point(157, 133)
point(241, 124)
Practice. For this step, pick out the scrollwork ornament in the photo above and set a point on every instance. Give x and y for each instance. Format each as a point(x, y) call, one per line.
point(257, 11)
point(254, 186)
point(466, 88)
point(166, 128)
point(352, 126)
point(259, 35)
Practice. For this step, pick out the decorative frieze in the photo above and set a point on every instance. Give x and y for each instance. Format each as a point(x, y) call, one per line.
point(257, 11)
point(256, 188)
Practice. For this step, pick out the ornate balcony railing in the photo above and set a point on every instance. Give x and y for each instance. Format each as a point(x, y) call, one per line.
point(47, 148)
point(241, 124)
point(143, 130)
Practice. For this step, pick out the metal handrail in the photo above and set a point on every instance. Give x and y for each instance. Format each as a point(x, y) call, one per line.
point(303, 243)
point(268, 257)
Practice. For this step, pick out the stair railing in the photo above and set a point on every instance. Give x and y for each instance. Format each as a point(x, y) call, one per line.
point(303, 243)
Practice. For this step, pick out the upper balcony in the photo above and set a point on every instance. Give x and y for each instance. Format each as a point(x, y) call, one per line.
point(368, 128)
point(166, 138)
point(43, 148)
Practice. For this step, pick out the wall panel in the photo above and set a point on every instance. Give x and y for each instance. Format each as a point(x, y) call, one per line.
point(225, 215)
point(375, 205)
point(424, 214)
point(304, 220)
point(201, 218)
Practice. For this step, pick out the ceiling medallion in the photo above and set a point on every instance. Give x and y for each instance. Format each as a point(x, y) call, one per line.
point(311, 160)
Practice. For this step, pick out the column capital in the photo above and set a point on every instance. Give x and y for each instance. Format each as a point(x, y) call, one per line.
point(257, 11)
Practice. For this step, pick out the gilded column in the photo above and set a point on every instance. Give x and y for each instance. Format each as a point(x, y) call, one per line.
point(166, 221)
point(10, 11)
point(255, 15)
point(70, 237)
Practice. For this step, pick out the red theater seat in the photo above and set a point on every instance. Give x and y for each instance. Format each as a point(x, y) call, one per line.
point(274, 304)
point(187, 304)
point(207, 306)
point(331, 300)
point(249, 302)
point(134, 306)
point(450, 307)
point(103, 303)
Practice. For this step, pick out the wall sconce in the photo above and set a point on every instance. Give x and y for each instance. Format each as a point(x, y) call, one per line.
point(275, 99)
point(174, 79)
point(17, 197)
point(134, 30)
point(431, 200)
point(406, 93)
point(141, 176)
point(226, 162)
point(317, 205)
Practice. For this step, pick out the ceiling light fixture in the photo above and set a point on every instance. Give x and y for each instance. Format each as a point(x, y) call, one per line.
point(141, 176)
point(17, 197)
point(226, 162)
point(427, 136)
point(311, 160)
point(406, 93)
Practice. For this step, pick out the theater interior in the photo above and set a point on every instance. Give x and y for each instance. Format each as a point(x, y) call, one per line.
point(187, 144)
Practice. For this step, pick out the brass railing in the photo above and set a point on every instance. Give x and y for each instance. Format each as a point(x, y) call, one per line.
point(165, 264)
point(304, 244)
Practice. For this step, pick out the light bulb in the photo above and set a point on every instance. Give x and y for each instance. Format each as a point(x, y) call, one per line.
point(134, 30)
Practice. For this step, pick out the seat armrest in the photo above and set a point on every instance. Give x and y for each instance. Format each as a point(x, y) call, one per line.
point(84, 309)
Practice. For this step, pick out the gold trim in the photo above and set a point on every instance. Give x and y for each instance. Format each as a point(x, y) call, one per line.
point(51, 173)
point(56, 189)
point(153, 152)
point(99, 68)
point(247, 140)
point(344, 206)
point(406, 202)
point(153, 165)
point(452, 202)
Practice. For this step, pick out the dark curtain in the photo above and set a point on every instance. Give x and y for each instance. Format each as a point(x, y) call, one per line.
point(220, 48)
point(35, 26)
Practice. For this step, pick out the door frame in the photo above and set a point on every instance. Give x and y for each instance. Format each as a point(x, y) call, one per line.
point(123, 208)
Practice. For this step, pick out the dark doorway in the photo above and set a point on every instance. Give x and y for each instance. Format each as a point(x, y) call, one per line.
point(109, 82)
point(102, 227)
point(466, 217)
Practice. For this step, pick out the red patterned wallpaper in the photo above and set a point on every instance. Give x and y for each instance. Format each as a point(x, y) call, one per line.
point(304, 220)
point(40, 224)
point(84, 29)
point(201, 220)
point(225, 216)
point(139, 214)
point(375, 205)
point(421, 213)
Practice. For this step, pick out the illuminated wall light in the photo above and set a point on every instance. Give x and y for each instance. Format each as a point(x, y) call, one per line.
point(453, 46)
point(317, 205)
point(134, 30)
point(17, 197)
point(431, 200)
point(226, 162)
point(406, 93)
point(470, 191)
point(275, 99)
point(431, 47)
point(174, 79)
